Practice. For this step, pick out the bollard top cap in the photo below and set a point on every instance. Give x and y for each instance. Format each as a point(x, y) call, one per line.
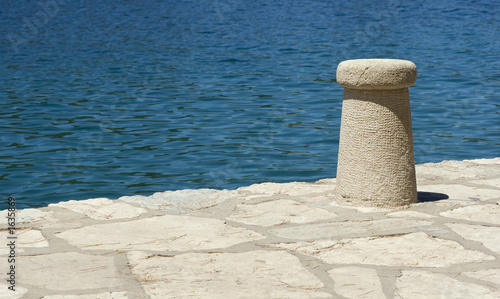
point(370, 74)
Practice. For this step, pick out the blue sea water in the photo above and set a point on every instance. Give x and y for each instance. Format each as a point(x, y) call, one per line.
point(113, 98)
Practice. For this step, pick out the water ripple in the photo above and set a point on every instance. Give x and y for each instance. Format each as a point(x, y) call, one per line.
point(139, 97)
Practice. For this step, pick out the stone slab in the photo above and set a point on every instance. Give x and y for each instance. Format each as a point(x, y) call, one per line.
point(17, 293)
point(25, 238)
point(410, 214)
point(348, 228)
point(492, 161)
point(490, 275)
point(278, 212)
point(414, 250)
point(325, 187)
point(169, 232)
point(102, 208)
point(457, 170)
point(254, 274)
point(69, 271)
point(481, 213)
point(491, 183)
point(487, 235)
point(106, 295)
point(26, 216)
point(357, 282)
point(182, 201)
point(410, 285)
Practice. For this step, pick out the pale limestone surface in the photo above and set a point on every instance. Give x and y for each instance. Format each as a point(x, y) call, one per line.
point(357, 282)
point(348, 228)
point(490, 275)
point(410, 285)
point(182, 201)
point(409, 214)
point(102, 208)
point(25, 238)
point(69, 271)
point(107, 295)
point(254, 274)
point(480, 213)
point(169, 232)
point(278, 212)
point(266, 241)
point(458, 170)
point(323, 187)
point(487, 235)
point(492, 182)
point(7, 294)
point(484, 161)
point(368, 210)
point(413, 250)
point(26, 216)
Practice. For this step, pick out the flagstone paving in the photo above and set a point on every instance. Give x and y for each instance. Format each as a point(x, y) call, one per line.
point(266, 240)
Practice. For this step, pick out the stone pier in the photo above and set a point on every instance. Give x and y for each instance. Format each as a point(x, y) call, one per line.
point(266, 240)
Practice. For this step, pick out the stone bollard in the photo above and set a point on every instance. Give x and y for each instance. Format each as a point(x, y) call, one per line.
point(376, 165)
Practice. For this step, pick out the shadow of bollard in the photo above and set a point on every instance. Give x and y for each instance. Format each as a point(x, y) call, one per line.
point(430, 196)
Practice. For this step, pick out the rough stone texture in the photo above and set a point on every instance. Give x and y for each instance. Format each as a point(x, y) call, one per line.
point(376, 166)
point(266, 241)
point(102, 208)
point(357, 282)
point(25, 238)
point(108, 295)
point(182, 201)
point(254, 274)
point(490, 275)
point(373, 74)
point(480, 213)
point(69, 271)
point(8, 294)
point(368, 210)
point(409, 285)
point(26, 216)
point(413, 250)
point(409, 214)
point(491, 161)
point(292, 189)
point(457, 170)
point(488, 236)
point(278, 212)
point(451, 204)
point(492, 182)
point(348, 228)
point(169, 232)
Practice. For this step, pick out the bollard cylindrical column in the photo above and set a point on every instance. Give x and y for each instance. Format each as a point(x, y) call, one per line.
point(376, 165)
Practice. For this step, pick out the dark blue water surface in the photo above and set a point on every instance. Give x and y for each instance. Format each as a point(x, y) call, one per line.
point(113, 98)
